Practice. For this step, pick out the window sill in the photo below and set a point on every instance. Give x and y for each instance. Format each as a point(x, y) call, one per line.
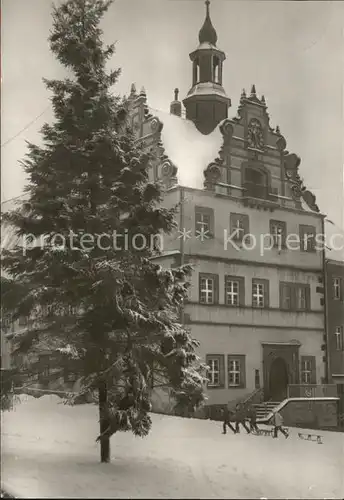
point(265, 308)
point(296, 310)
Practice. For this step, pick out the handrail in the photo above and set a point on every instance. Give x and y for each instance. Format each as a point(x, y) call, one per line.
point(311, 390)
point(252, 395)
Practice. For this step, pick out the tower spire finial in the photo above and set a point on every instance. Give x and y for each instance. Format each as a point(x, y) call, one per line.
point(207, 32)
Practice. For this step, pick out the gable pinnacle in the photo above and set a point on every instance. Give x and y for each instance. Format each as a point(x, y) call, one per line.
point(207, 32)
point(253, 90)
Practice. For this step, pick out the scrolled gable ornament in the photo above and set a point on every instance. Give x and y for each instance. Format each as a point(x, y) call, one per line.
point(281, 143)
point(168, 172)
point(168, 169)
point(212, 174)
point(227, 129)
point(291, 165)
point(310, 200)
point(156, 125)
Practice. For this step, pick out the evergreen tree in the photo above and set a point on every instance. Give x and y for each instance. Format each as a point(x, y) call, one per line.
point(109, 307)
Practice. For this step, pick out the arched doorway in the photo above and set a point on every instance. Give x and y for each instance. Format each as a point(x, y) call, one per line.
point(278, 380)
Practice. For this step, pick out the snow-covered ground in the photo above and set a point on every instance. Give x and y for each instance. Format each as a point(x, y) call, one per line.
point(49, 450)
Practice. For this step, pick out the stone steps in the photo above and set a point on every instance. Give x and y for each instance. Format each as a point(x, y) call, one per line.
point(263, 409)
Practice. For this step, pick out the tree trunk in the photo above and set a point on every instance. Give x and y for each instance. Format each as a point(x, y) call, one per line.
point(104, 423)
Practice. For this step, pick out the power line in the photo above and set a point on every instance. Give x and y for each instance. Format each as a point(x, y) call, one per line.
point(25, 128)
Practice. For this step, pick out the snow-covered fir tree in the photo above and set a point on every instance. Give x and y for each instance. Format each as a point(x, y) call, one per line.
point(109, 307)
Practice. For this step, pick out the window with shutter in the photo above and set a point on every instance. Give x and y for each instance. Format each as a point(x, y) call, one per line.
point(294, 296)
point(285, 296)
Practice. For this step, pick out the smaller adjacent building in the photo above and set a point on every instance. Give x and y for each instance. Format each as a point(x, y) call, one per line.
point(334, 279)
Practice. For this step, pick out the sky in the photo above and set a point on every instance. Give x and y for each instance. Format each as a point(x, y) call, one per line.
point(292, 51)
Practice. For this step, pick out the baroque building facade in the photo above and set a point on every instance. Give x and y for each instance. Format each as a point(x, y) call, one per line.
point(252, 232)
point(249, 227)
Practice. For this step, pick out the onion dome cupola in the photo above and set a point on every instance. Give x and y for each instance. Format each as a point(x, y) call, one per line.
point(206, 103)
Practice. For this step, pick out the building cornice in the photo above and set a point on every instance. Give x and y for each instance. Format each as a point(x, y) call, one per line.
point(240, 199)
point(261, 309)
point(253, 325)
point(228, 260)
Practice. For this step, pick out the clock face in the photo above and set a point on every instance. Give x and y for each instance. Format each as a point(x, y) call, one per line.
point(255, 134)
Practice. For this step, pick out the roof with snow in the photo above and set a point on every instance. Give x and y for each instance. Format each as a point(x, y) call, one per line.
point(189, 150)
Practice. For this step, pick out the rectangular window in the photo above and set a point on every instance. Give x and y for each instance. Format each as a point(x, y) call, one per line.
point(339, 338)
point(337, 287)
point(215, 372)
point(294, 296)
point(260, 293)
point(208, 289)
point(308, 372)
point(278, 232)
point(238, 226)
point(307, 238)
point(234, 291)
point(236, 371)
point(204, 222)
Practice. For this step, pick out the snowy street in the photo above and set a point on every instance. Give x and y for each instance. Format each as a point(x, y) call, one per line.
point(49, 450)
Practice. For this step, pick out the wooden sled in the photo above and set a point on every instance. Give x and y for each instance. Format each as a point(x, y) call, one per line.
point(263, 432)
point(268, 432)
point(316, 438)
